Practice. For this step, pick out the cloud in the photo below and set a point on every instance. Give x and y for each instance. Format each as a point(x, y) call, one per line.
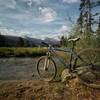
point(25, 33)
point(8, 3)
point(37, 1)
point(6, 31)
point(47, 14)
point(24, 16)
point(39, 17)
point(12, 32)
point(30, 2)
point(0, 23)
point(70, 1)
point(64, 29)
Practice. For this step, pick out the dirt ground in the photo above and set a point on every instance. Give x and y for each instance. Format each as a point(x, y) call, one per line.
point(40, 90)
point(16, 83)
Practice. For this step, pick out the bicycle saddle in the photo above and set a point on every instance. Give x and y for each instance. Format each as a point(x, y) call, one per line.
point(74, 40)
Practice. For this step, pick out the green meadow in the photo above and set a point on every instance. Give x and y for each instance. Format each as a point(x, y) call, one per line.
point(22, 51)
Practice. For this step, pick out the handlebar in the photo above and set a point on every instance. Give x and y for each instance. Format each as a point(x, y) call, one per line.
point(45, 43)
point(48, 45)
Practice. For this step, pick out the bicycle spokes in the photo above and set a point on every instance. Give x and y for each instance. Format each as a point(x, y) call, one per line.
point(46, 68)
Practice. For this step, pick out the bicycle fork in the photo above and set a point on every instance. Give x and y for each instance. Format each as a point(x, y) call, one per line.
point(46, 64)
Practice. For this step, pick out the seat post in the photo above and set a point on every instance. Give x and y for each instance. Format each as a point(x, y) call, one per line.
point(71, 56)
point(73, 45)
point(73, 41)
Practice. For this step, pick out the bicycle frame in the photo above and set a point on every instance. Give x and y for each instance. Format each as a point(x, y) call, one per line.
point(73, 56)
point(78, 64)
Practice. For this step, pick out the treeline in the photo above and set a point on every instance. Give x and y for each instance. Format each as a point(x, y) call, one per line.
point(87, 26)
point(11, 41)
point(15, 41)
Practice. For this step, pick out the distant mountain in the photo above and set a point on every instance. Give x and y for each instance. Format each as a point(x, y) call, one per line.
point(11, 40)
point(35, 41)
point(14, 41)
point(51, 41)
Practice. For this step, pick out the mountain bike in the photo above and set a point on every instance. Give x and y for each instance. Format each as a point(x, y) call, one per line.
point(84, 62)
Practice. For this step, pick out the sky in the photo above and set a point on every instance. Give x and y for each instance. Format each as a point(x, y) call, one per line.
point(38, 18)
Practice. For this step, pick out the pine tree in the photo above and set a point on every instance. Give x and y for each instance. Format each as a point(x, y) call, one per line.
point(20, 42)
point(2, 41)
point(63, 41)
point(98, 34)
point(27, 43)
point(87, 18)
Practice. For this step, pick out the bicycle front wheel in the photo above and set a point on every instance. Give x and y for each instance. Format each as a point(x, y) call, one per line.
point(46, 68)
point(90, 72)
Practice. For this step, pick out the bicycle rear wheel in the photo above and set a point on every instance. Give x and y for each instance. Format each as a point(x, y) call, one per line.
point(46, 68)
point(89, 73)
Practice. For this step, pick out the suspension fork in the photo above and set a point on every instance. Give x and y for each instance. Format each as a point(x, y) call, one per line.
point(47, 61)
point(46, 64)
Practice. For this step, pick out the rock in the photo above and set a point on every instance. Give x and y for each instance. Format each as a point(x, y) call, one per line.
point(97, 73)
point(82, 70)
point(88, 76)
point(65, 75)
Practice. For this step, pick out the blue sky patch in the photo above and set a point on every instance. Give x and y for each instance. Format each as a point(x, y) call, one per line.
point(42, 18)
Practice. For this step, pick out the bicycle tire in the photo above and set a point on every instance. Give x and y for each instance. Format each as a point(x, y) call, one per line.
point(92, 59)
point(52, 69)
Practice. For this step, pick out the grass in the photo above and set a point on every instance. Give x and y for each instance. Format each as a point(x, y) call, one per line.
point(22, 52)
point(60, 66)
point(58, 88)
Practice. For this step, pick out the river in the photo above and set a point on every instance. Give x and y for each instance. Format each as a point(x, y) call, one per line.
point(17, 68)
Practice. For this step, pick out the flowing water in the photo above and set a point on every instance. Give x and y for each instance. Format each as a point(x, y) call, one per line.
point(17, 68)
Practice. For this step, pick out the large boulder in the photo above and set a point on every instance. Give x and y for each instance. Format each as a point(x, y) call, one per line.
point(84, 74)
point(88, 76)
point(66, 75)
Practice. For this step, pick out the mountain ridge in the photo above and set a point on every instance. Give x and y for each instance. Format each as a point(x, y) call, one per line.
point(25, 41)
